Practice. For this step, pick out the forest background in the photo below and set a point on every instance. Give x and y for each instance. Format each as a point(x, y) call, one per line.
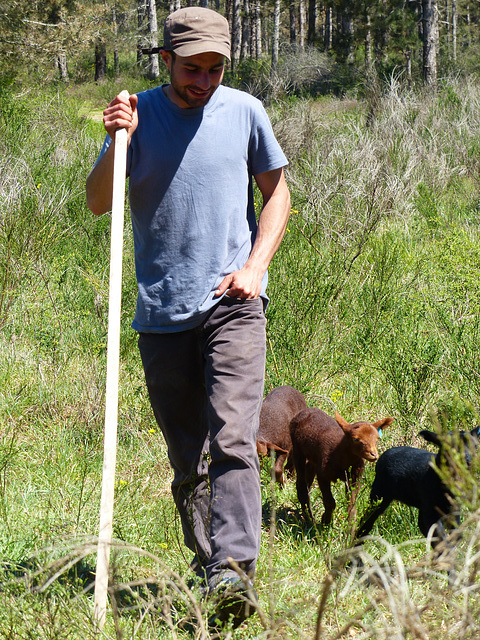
point(374, 311)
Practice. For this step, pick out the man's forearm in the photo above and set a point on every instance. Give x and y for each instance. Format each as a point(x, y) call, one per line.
point(271, 227)
point(99, 185)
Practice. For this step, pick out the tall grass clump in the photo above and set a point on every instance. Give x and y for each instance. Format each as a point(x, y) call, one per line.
point(299, 73)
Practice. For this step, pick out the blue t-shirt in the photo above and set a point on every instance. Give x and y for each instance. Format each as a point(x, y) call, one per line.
point(191, 198)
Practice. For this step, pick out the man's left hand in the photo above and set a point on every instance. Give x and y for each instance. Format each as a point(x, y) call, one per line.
point(242, 284)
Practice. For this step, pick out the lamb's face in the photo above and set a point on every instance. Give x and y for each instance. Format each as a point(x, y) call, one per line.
point(364, 439)
point(363, 436)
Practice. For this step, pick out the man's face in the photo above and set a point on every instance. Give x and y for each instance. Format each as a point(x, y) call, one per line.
point(193, 79)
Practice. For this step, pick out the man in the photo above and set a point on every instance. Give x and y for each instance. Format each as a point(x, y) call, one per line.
point(201, 266)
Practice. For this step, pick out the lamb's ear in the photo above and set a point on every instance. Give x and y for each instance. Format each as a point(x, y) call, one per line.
point(430, 436)
point(381, 424)
point(263, 447)
point(341, 422)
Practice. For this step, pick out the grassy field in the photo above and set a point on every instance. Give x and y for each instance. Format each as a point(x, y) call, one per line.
point(374, 311)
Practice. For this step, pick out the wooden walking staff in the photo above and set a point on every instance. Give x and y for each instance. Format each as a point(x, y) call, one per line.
point(111, 396)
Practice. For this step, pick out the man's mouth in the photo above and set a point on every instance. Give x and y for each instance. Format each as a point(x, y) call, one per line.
point(199, 93)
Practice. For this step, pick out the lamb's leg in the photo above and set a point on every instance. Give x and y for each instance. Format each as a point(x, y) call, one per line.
point(428, 518)
point(328, 501)
point(279, 464)
point(288, 467)
point(309, 473)
point(369, 518)
point(302, 486)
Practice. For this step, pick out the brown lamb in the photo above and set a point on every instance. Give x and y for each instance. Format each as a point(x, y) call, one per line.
point(278, 409)
point(335, 450)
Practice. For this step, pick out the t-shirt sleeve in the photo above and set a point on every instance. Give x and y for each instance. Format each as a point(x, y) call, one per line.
point(106, 144)
point(265, 153)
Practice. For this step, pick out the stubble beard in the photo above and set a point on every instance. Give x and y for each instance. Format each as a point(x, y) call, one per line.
point(188, 98)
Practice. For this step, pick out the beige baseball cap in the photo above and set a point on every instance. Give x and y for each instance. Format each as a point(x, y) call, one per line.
point(195, 30)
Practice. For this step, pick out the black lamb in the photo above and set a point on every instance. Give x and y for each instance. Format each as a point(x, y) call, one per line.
point(410, 475)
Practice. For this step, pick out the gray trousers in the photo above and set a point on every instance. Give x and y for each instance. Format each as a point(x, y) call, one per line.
point(206, 388)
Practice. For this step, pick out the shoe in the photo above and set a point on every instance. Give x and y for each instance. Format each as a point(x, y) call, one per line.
point(235, 601)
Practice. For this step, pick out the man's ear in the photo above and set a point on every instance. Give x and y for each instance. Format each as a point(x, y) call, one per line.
point(167, 58)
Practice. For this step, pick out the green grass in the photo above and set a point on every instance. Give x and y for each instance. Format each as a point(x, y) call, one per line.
point(374, 312)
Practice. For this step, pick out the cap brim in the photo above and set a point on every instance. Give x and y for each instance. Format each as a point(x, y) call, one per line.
point(195, 48)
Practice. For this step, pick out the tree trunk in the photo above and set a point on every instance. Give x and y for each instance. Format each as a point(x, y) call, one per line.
point(312, 21)
point(468, 22)
point(246, 31)
point(344, 41)
point(368, 44)
point(153, 66)
point(116, 61)
point(447, 23)
point(347, 36)
point(258, 30)
point(420, 32)
point(236, 32)
point(454, 30)
point(380, 35)
point(141, 29)
point(276, 34)
point(292, 13)
point(408, 58)
point(302, 20)
point(328, 29)
point(100, 60)
point(430, 39)
point(61, 63)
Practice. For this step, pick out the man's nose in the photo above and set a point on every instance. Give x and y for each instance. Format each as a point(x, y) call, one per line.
point(203, 80)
